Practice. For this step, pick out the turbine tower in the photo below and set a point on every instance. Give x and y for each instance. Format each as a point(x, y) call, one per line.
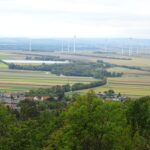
point(122, 51)
point(130, 51)
point(30, 45)
point(68, 46)
point(137, 51)
point(130, 46)
point(106, 46)
point(74, 44)
point(62, 46)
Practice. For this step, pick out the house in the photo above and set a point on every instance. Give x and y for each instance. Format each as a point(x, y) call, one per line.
point(12, 97)
point(111, 96)
point(12, 105)
point(38, 98)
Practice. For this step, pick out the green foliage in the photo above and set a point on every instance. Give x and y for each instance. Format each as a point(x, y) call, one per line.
point(59, 91)
point(45, 58)
point(7, 122)
point(90, 124)
point(87, 123)
point(55, 91)
point(80, 86)
point(138, 116)
point(84, 69)
point(29, 109)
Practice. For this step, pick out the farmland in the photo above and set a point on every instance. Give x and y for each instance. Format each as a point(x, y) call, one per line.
point(3, 66)
point(139, 62)
point(132, 83)
point(135, 61)
point(15, 80)
point(25, 80)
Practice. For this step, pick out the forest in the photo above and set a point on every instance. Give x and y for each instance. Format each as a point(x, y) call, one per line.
point(44, 58)
point(75, 68)
point(80, 122)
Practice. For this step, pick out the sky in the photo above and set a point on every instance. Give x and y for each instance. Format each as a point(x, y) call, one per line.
point(83, 18)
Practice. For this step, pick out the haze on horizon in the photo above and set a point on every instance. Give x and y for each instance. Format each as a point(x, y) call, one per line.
point(66, 18)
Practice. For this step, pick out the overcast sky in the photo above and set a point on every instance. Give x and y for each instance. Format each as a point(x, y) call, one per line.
point(83, 18)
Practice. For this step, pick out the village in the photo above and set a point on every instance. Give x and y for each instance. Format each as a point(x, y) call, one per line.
point(12, 99)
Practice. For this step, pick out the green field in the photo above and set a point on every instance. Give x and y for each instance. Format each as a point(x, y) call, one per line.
point(139, 62)
point(10, 55)
point(136, 61)
point(3, 66)
point(133, 83)
point(13, 80)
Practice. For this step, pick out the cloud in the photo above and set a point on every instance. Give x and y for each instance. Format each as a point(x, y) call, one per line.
point(97, 18)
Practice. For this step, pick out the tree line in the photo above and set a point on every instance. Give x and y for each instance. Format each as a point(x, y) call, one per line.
point(60, 90)
point(84, 69)
point(45, 58)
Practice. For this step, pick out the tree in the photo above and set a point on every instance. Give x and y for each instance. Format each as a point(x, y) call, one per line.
point(28, 109)
point(138, 115)
point(7, 122)
point(90, 124)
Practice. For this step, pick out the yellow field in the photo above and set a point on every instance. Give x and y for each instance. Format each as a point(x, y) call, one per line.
point(127, 71)
point(3, 66)
point(140, 62)
point(13, 80)
point(136, 61)
point(133, 83)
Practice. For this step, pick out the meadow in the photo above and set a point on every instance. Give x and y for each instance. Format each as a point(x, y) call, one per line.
point(135, 61)
point(133, 83)
point(13, 80)
point(10, 55)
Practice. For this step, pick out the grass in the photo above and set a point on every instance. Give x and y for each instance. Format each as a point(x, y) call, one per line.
point(139, 62)
point(13, 80)
point(3, 66)
point(16, 80)
point(129, 90)
point(133, 83)
point(128, 72)
point(135, 61)
point(10, 55)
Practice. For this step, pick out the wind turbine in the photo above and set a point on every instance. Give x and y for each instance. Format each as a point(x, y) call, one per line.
point(30, 45)
point(122, 51)
point(137, 51)
point(62, 46)
point(130, 51)
point(74, 44)
point(130, 47)
point(68, 46)
point(106, 46)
